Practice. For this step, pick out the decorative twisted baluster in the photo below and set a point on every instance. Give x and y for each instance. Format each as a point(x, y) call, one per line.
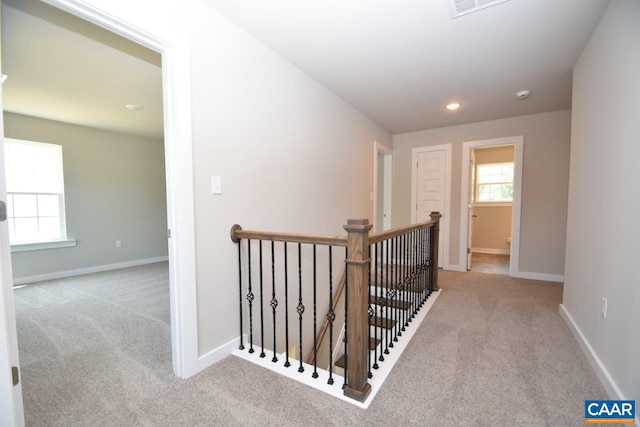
point(274, 301)
point(286, 306)
point(300, 308)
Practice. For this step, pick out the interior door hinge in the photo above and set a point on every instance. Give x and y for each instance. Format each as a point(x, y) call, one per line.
point(3, 211)
point(169, 233)
point(468, 251)
point(15, 373)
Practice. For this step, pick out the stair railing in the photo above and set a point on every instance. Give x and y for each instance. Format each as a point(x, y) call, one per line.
point(404, 269)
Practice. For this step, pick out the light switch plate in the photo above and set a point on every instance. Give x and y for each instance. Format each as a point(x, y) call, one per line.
point(216, 185)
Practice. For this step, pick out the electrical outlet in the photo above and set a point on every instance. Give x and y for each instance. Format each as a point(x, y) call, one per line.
point(604, 308)
point(118, 243)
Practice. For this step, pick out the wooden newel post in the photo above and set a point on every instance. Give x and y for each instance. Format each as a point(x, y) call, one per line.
point(358, 261)
point(435, 216)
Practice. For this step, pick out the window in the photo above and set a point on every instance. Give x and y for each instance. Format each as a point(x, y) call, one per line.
point(35, 192)
point(494, 183)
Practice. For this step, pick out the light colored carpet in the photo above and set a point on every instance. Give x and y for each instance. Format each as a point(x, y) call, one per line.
point(493, 351)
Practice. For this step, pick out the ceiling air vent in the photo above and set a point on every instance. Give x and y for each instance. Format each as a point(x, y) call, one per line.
point(463, 7)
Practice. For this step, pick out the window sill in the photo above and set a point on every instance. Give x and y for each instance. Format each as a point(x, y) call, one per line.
point(25, 247)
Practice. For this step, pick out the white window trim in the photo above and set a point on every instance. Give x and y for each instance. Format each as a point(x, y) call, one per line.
point(496, 203)
point(37, 246)
point(62, 208)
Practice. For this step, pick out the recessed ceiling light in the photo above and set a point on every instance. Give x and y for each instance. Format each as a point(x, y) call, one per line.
point(453, 106)
point(523, 94)
point(134, 107)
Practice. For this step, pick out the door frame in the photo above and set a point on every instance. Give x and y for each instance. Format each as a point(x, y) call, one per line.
point(387, 152)
point(133, 24)
point(516, 206)
point(445, 224)
point(176, 88)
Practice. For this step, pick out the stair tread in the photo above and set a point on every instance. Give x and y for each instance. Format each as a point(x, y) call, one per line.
point(381, 322)
point(385, 302)
point(373, 343)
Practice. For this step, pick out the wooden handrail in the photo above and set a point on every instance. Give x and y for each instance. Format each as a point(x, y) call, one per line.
point(237, 233)
point(325, 324)
point(358, 242)
point(398, 231)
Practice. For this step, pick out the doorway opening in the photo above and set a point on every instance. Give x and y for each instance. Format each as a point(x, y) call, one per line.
point(490, 205)
point(382, 172)
point(113, 201)
point(176, 103)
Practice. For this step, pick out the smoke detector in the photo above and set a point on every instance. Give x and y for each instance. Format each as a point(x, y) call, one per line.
point(463, 7)
point(523, 94)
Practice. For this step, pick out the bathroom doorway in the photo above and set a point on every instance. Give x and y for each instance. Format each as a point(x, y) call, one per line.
point(490, 208)
point(491, 199)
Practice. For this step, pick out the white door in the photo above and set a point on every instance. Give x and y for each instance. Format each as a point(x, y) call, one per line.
point(11, 412)
point(430, 189)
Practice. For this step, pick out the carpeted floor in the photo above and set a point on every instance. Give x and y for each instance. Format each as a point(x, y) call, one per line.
point(493, 351)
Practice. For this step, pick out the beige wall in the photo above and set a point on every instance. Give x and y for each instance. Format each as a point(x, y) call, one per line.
point(544, 187)
point(292, 155)
point(491, 228)
point(492, 224)
point(603, 227)
point(114, 190)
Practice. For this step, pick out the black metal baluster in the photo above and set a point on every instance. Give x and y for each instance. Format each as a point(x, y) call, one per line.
point(386, 298)
point(414, 274)
point(346, 316)
point(432, 248)
point(300, 308)
point(250, 298)
point(391, 291)
point(369, 314)
point(394, 290)
point(403, 283)
point(425, 247)
point(331, 316)
point(315, 327)
point(274, 301)
point(376, 304)
point(286, 306)
point(262, 353)
point(417, 299)
point(240, 281)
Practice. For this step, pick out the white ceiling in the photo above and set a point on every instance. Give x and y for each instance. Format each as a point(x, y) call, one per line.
point(62, 68)
point(401, 61)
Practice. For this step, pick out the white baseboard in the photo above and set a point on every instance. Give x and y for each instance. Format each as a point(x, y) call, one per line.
point(491, 251)
point(539, 276)
point(601, 371)
point(216, 355)
point(87, 270)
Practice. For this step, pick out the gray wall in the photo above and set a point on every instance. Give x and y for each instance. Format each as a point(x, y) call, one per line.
point(114, 190)
point(603, 227)
point(492, 225)
point(545, 181)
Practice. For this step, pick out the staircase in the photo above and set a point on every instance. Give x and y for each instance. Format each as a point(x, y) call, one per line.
point(381, 327)
point(287, 281)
